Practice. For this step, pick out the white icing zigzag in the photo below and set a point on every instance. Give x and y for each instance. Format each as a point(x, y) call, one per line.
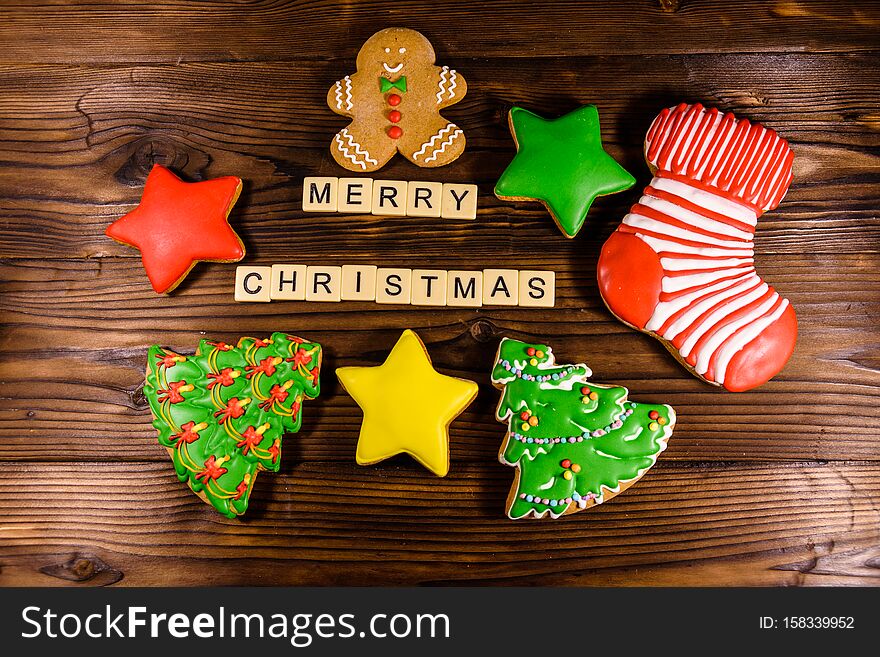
point(446, 143)
point(357, 149)
point(452, 83)
point(348, 103)
point(430, 143)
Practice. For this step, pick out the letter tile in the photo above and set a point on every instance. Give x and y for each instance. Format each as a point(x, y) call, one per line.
point(459, 201)
point(288, 283)
point(537, 289)
point(323, 283)
point(359, 282)
point(464, 288)
point(393, 285)
point(355, 195)
point(389, 198)
point(500, 287)
point(319, 194)
point(424, 199)
point(428, 287)
point(252, 283)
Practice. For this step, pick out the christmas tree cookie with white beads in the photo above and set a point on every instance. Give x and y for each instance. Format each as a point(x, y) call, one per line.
point(394, 101)
point(221, 413)
point(574, 444)
point(680, 267)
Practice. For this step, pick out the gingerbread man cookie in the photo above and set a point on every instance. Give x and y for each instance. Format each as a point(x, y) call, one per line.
point(394, 100)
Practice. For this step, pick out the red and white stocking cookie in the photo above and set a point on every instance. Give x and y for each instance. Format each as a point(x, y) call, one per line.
point(680, 266)
point(394, 100)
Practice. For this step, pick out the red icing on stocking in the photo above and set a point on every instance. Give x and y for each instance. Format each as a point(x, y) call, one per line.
point(714, 176)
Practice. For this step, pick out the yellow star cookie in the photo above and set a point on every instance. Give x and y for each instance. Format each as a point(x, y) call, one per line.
point(408, 406)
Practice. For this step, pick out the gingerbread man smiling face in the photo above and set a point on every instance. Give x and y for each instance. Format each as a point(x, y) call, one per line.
point(394, 100)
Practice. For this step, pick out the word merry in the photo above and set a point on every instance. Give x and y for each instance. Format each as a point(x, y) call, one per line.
point(418, 287)
point(390, 197)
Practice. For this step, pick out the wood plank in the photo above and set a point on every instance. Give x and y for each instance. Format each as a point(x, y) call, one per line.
point(76, 144)
point(135, 523)
point(124, 30)
point(75, 335)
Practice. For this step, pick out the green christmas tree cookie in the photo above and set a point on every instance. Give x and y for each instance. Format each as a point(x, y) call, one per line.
point(222, 412)
point(574, 444)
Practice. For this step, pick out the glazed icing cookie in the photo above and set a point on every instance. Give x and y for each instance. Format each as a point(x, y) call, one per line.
point(408, 406)
point(574, 444)
point(222, 412)
point(394, 101)
point(561, 163)
point(178, 224)
point(681, 265)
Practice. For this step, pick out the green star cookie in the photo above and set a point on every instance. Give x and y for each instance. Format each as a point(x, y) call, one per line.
point(561, 163)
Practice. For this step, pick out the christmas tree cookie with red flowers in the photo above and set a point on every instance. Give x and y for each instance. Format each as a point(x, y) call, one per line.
point(222, 412)
point(574, 444)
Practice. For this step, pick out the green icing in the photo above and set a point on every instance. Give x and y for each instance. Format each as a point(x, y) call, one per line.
point(561, 163)
point(589, 431)
point(222, 412)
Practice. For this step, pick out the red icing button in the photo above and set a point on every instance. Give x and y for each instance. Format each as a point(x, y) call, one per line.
point(565, 463)
point(585, 390)
point(530, 351)
point(393, 100)
point(395, 132)
point(394, 116)
point(653, 415)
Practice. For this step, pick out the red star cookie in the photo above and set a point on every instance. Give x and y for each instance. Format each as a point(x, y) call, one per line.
point(178, 224)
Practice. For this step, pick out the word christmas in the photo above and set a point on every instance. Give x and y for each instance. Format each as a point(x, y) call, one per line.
point(418, 287)
point(393, 198)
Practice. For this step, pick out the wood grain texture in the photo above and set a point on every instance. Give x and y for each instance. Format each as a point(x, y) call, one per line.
point(78, 143)
point(777, 486)
point(125, 30)
point(320, 524)
point(82, 399)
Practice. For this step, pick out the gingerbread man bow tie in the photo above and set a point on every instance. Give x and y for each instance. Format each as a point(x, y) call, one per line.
point(386, 85)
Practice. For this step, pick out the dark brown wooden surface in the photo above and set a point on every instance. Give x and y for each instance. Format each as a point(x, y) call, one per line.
point(778, 486)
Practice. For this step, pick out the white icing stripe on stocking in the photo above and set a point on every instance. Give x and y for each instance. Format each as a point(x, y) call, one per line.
point(686, 264)
point(718, 315)
point(666, 309)
point(678, 283)
point(704, 356)
point(713, 226)
point(733, 155)
point(693, 313)
point(655, 226)
point(712, 202)
point(739, 340)
point(665, 246)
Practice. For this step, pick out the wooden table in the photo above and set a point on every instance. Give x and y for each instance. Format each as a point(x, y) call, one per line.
point(778, 486)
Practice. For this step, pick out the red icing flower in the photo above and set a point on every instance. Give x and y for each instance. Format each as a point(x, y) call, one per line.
point(315, 374)
point(266, 366)
point(189, 433)
point(259, 344)
point(226, 377)
point(301, 357)
point(168, 360)
point(294, 339)
point(234, 409)
point(212, 471)
point(277, 393)
point(221, 346)
point(174, 393)
point(250, 439)
point(294, 409)
point(275, 450)
point(242, 488)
